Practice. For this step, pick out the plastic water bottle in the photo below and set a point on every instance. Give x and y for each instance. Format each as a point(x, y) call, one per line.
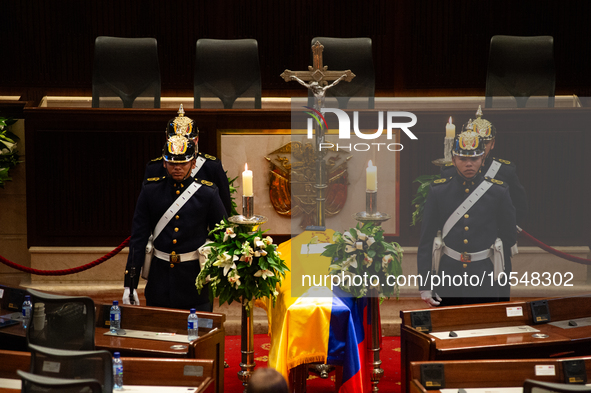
point(27, 306)
point(192, 325)
point(117, 372)
point(115, 323)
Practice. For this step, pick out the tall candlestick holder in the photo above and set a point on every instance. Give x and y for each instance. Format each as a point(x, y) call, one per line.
point(247, 363)
point(371, 214)
point(448, 144)
point(250, 222)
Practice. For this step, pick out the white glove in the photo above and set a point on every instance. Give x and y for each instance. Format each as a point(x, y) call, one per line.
point(428, 296)
point(126, 293)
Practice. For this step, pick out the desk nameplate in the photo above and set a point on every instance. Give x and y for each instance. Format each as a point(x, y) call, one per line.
point(10, 383)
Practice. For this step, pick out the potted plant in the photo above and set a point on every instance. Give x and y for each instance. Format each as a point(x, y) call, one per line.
point(8, 153)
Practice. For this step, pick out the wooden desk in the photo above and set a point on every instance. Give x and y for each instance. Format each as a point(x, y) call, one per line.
point(568, 308)
point(421, 346)
point(197, 373)
point(12, 337)
point(209, 345)
point(493, 373)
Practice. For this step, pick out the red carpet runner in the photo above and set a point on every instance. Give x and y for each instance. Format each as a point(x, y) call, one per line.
point(390, 356)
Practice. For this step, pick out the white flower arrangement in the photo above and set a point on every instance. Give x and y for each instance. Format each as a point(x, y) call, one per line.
point(240, 266)
point(362, 251)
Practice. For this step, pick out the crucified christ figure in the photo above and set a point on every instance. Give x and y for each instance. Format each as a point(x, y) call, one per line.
point(317, 89)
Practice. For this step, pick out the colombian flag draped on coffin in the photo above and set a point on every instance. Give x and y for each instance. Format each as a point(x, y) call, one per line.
point(320, 325)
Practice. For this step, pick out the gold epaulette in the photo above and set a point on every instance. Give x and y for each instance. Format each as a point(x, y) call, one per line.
point(155, 178)
point(495, 181)
point(502, 161)
point(204, 182)
point(449, 164)
point(212, 158)
point(441, 181)
point(157, 159)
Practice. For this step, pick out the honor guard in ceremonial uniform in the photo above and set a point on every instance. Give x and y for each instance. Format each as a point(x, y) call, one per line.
point(467, 220)
point(206, 167)
point(172, 218)
point(499, 169)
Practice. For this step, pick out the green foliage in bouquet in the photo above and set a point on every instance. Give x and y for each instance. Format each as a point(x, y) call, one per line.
point(421, 196)
point(240, 265)
point(233, 191)
point(362, 251)
point(8, 153)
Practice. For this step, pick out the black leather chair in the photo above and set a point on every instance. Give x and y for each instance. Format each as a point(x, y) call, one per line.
point(353, 54)
point(32, 383)
point(520, 67)
point(73, 364)
point(69, 322)
point(125, 68)
point(228, 70)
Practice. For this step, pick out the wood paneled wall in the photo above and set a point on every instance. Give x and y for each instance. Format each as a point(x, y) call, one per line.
point(420, 46)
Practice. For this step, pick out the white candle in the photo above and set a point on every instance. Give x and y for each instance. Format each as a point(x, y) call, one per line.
point(371, 177)
point(450, 129)
point(247, 182)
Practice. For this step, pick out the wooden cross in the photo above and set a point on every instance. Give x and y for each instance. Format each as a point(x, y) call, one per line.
point(315, 79)
point(318, 72)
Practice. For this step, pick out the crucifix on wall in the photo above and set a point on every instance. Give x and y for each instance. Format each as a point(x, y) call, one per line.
point(318, 76)
point(316, 80)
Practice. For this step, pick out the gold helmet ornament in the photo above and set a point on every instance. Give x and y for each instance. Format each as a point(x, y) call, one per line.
point(182, 125)
point(468, 144)
point(483, 127)
point(178, 149)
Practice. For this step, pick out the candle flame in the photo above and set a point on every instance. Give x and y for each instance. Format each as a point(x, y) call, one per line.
point(369, 164)
point(245, 166)
point(450, 120)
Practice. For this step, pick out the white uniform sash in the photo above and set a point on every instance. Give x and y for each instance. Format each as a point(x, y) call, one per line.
point(493, 169)
point(165, 219)
point(175, 207)
point(464, 207)
point(198, 165)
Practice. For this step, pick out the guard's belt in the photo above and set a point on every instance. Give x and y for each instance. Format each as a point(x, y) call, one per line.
point(468, 256)
point(177, 258)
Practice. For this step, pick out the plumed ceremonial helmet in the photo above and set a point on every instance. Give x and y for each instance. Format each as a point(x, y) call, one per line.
point(182, 125)
point(482, 127)
point(178, 149)
point(468, 144)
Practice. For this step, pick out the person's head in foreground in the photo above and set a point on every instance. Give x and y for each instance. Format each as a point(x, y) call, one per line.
point(267, 380)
